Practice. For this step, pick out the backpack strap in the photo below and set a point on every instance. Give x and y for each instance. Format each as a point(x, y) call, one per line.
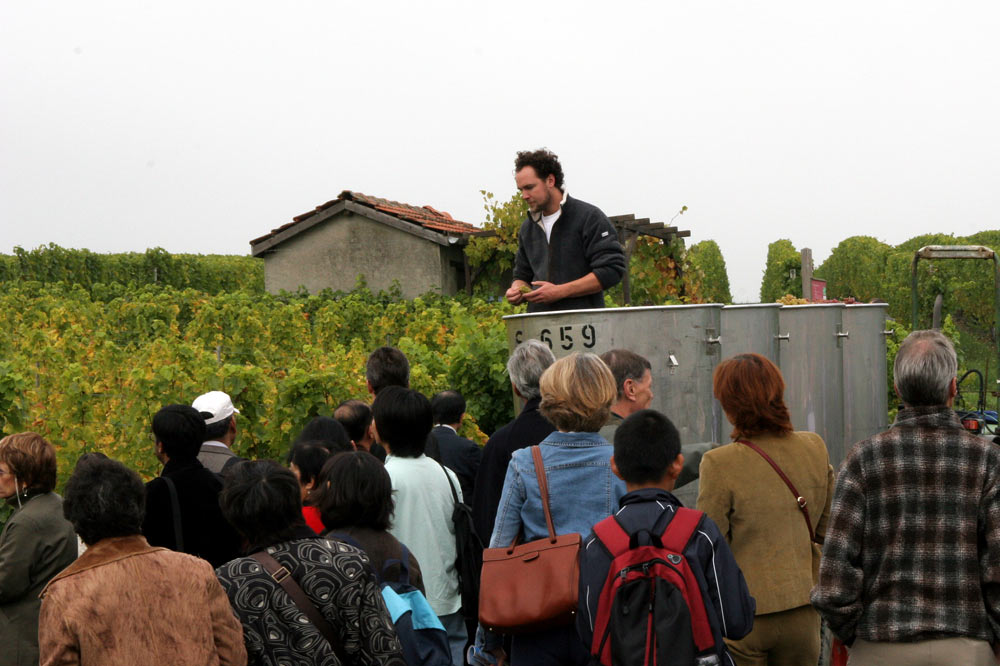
point(614, 537)
point(403, 563)
point(451, 486)
point(346, 538)
point(175, 507)
point(351, 541)
point(679, 530)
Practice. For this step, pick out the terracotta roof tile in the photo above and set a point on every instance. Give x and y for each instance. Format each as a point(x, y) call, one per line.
point(425, 216)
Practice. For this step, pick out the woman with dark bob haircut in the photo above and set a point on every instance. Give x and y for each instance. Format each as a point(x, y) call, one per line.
point(159, 606)
point(326, 432)
point(759, 515)
point(262, 500)
point(35, 545)
point(354, 497)
point(306, 459)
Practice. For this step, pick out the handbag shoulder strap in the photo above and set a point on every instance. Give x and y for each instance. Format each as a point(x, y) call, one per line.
point(175, 506)
point(543, 487)
point(283, 577)
point(788, 482)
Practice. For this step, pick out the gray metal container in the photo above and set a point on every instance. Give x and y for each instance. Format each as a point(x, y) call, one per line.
point(681, 343)
point(813, 366)
point(751, 329)
point(865, 374)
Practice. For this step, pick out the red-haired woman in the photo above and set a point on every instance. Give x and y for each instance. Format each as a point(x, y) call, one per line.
point(774, 544)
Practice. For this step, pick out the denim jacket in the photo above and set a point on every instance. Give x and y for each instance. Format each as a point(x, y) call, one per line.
point(582, 488)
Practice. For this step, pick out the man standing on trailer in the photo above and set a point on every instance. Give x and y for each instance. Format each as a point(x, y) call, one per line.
point(568, 252)
point(911, 566)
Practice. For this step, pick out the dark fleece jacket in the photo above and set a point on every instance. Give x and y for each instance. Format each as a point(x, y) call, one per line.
point(582, 241)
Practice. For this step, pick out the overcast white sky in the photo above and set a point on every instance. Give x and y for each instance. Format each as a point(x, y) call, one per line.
point(196, 126)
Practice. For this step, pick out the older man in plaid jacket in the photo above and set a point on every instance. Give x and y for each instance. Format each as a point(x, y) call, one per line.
point(911, 566)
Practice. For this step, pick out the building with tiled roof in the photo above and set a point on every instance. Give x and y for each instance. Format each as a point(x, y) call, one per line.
point(356, 234)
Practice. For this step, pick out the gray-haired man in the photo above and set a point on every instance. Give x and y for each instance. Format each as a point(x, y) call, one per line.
point(525, 367)
point(911, 564)
point(634, 381)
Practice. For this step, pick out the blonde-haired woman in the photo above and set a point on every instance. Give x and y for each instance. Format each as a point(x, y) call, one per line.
point(36, 543)
point(577, 392)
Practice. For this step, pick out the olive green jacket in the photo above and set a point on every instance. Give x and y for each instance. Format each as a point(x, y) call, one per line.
point(36, 544)
point(607, 431)
point(760, 518)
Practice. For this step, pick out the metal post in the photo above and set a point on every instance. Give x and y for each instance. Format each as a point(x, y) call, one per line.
point(468, 273)
point(807, 273)
point(996, 307)
point(627, 278)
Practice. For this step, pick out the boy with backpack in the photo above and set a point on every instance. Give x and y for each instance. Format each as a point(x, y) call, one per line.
point(658, 583)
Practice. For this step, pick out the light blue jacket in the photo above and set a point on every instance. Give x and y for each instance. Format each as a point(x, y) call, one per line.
point(582, 488)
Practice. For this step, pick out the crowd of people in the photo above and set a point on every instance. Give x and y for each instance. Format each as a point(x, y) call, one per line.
point(350, 550)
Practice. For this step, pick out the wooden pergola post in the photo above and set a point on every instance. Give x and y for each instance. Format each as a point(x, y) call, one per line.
point(629, 229)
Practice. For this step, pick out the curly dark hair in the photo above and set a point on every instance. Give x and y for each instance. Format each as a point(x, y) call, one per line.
point(104, 499)
point(262, 500)
point(543, 161)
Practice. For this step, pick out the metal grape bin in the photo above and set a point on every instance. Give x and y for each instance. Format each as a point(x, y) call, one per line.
point(812, 362)
point(680, 341)
point(832, 357)
point(866, 398)
point(751, 329)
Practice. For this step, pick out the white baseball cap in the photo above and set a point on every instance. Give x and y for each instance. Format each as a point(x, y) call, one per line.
point(216, 403)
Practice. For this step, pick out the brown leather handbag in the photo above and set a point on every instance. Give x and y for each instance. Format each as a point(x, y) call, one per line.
point(530, 586)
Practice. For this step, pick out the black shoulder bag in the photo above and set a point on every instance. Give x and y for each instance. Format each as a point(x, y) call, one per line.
point(175, 507)
point(468, 553)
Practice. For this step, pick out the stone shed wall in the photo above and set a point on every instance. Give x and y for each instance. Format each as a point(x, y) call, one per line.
point(334, 252)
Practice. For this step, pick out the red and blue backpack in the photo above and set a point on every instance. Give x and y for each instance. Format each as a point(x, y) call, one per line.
point(651, 611)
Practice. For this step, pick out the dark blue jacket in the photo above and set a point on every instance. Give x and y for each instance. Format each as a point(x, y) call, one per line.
point(460, 455)
point(727, 600)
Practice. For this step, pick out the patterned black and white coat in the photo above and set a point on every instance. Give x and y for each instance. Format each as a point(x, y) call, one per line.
point(339, 581)
point(912, 550)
